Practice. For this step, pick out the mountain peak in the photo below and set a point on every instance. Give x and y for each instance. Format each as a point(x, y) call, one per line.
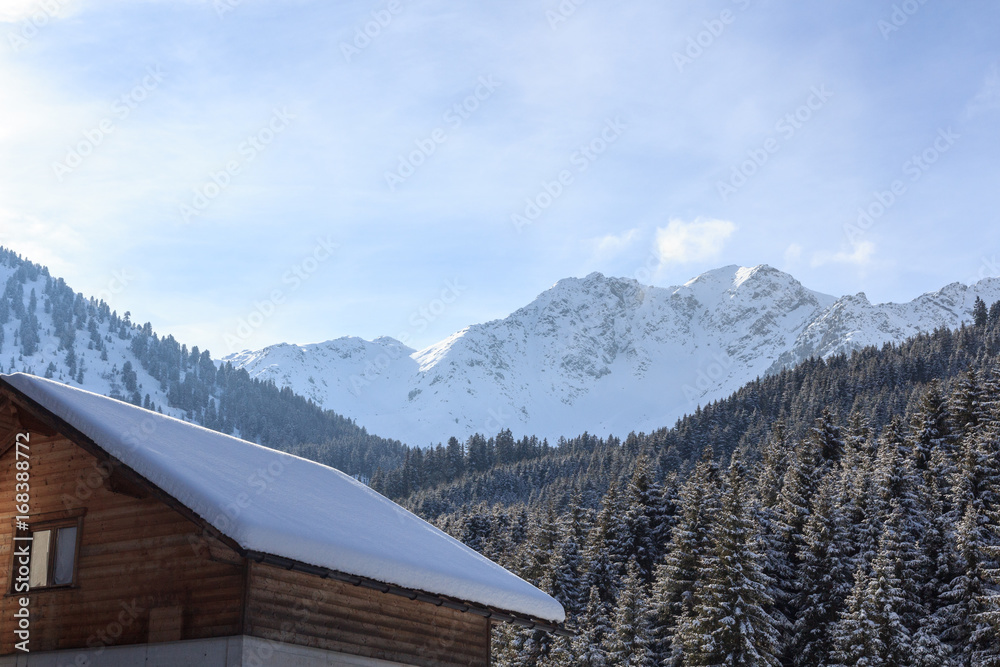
point(605, 354)
point(591, 280)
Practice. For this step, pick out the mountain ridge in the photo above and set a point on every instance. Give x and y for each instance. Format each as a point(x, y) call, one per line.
point(600, 354)
point(48, 329)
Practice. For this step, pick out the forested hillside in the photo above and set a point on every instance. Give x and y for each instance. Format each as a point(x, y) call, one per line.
point(870, 386)
point(47, 329)
point(845, 512)
point(842, 512)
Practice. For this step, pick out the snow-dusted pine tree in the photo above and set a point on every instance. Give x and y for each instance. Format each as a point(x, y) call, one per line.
point(870, 632)
point(824, 580)
point(679, 576)
point(631, 641)
point(729, 624)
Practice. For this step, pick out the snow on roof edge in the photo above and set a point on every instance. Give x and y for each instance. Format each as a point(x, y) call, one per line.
point(274, 502)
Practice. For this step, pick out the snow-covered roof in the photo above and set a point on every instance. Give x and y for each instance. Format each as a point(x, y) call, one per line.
point(275, 503)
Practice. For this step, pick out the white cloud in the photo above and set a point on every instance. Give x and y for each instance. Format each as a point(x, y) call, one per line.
point(988, 97)
point(612, 244)
point(860, 255)
point(793, 253)
point(36, 12)
point(693, 241)
point(44, 242)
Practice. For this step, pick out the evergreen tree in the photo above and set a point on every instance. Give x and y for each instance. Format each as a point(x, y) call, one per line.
point(979, 313)
point(680, 575)
point(905, 525)
point(593, 633)
point(565, 582)
point(606, 534)
point(827, 438)
point(631, 641)
point(824, 579)
point(729, 624)
point(870, 631)
point(994, 314)
point(786, 544)
point(987, 620)
point(976, 474)
point(966, 619)
point(932, 428)
point(966, 403)
point(642, 512)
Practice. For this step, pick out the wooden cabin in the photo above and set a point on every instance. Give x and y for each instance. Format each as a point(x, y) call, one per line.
point(132, 538)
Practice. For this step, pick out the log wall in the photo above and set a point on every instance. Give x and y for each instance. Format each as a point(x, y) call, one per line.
point(139, 576)
point(289, 606)
point(146, 574)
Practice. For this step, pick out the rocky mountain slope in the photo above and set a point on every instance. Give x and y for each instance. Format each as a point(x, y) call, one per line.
point(601, 354)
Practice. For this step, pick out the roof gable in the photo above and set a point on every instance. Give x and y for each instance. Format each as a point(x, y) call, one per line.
point(271, 502)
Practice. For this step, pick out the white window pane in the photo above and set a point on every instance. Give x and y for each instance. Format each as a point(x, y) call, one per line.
point(40, 558)
point(65, 556)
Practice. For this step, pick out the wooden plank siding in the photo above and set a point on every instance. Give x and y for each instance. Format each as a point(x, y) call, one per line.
point(136, 559)
point(140, 579)
point(300, 608)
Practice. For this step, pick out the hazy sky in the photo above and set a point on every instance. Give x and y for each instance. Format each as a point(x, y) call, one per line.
point(409, 167)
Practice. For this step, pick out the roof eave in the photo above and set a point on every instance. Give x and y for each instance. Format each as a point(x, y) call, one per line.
point(83, 441)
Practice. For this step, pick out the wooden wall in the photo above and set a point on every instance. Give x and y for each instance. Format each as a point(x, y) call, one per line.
point(300, 608)
point(141, 580)
point(136, 562)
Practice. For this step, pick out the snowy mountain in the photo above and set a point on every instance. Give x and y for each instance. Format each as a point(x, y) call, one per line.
point(54, 321)
point(601, 354)
point(49, 330)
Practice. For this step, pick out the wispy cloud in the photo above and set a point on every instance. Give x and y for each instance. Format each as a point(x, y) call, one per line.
point(860, 254)
point(36, 14)
point(793, 253)
point(41, 241)
point(612, 245)
point(701, 239)
point(224, 76)
point(988, 97)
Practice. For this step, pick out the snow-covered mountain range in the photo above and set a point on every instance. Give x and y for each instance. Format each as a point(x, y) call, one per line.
point(599, 354)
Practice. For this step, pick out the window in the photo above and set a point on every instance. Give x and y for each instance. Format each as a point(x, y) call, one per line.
point(54, 547)
point(53, 557)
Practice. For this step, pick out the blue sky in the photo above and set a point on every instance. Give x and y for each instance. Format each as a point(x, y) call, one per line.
point(241, 173)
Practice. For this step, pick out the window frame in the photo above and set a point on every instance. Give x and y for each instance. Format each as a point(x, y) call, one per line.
point(51, 521)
